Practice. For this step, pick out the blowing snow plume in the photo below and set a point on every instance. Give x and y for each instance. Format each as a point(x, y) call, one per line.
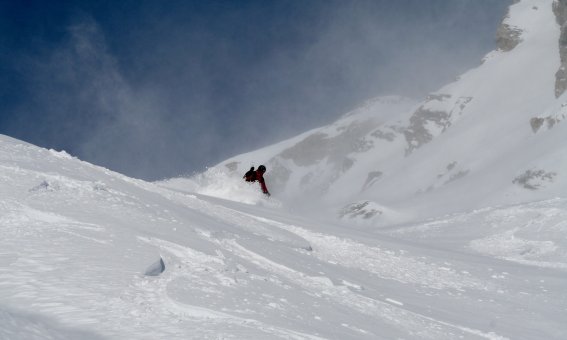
point(220, 183)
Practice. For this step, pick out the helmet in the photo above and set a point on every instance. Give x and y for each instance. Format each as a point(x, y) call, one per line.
point(262, 168)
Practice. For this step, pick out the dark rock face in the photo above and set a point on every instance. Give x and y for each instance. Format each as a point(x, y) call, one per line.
point(419, 131)
point(508, 37)
point(548, 122)
point(318, 146)
point(359, 210)
point(536, 123)
point(373, 176)
point(560, 11)
point(385, 135)
point(534, 179)
point(309, 151)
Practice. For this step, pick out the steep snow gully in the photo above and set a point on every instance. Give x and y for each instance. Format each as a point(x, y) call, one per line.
point(77, 241)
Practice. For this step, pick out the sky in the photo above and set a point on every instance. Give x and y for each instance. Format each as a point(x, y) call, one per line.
point(156, 89)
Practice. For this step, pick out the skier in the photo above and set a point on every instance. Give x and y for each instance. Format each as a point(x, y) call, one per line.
point(258, 175)
point(260, 178)
point(250, 176)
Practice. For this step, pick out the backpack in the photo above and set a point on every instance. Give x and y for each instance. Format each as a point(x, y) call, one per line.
point(250, 176)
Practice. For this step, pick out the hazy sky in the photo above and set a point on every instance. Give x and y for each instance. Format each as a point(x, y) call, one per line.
point(155, 89)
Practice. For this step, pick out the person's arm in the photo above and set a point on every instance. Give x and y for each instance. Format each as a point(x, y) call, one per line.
point(263, 185)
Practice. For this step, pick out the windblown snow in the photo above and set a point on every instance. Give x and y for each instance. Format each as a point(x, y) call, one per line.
point(494, 136)
point(445, 219)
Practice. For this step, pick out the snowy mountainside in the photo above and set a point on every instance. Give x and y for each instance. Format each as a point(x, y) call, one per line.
point(78, 239)
point(494, 136)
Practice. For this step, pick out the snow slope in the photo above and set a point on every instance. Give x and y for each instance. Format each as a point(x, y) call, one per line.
point(494, 136)
point(78, 239)
point(452, 224)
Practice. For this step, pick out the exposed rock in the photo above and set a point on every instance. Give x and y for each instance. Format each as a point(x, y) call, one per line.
point(451, 174)
point(309, 151)
point(347, 164)
point(536, 123)
point(548, 122)
point(386, 135)
point(362, 145)
point(336, 149)
point(551, 122)
point(418, 133)
point(373, 176)
point(457, 176)
point(462, 103)
point(45, 186)
point(427, 122)
point(508, 37)
point(560, 11)
point(533, 179)
point(363, 210)
point(561, 74)
point(450, 167)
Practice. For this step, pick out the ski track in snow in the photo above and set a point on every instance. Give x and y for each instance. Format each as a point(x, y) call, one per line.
point(386, 264)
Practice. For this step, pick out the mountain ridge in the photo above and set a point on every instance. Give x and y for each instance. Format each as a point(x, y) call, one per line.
point(393, 150)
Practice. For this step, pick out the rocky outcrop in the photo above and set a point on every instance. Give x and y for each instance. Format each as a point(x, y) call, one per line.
point(560, 11)
point(452, 172)
point(546, 123)
point(319, 146)
point(534, 179)
point(309, 151)
point(418, 132)
point(508, 37)
point(385, 135)
point(372, 177)
point(365, 210)
point(433, 118)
